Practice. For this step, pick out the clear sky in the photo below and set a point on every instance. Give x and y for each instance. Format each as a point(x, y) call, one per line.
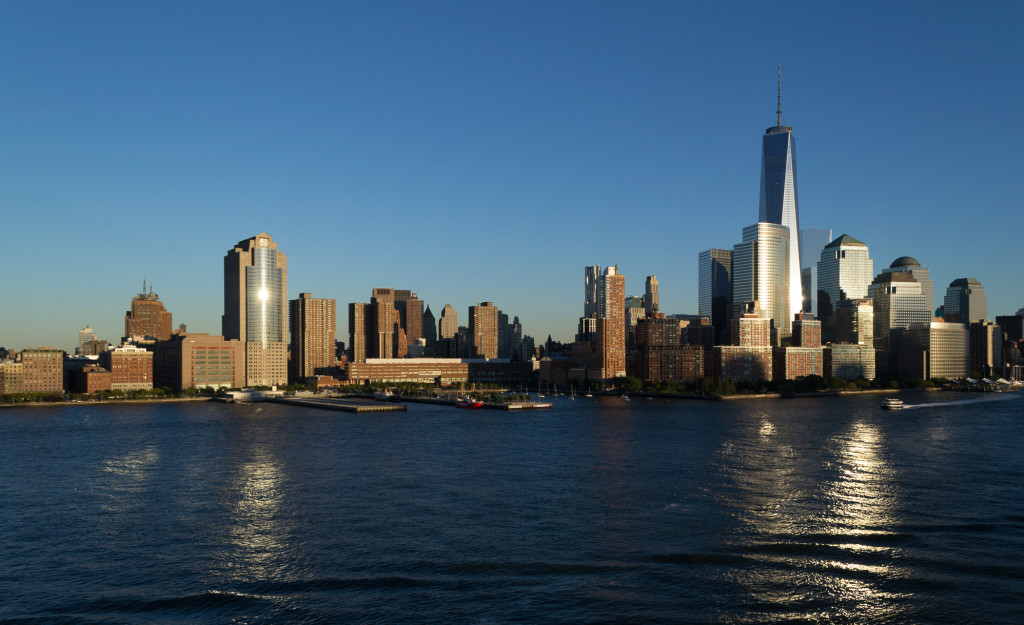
point(486, 151)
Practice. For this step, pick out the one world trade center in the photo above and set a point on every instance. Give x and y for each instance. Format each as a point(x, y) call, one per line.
point(778, 193)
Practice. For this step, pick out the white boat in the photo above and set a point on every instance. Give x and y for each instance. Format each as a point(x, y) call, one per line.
point(892, 404)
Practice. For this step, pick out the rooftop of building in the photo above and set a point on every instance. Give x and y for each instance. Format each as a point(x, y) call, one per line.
point(964, 282)
point(845, 240)
point(904, 261)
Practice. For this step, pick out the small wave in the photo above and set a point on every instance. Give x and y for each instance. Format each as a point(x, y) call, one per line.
point(341, 583)
point(208, 600)
point(532, 568)
point(696, 558)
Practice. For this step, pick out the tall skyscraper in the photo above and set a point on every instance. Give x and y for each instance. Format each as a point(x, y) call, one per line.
point(312, 325)
point(651, 296)
point(358, 330)
point(255, 307)
point(611, 323)
point(591, 276)
point(147, 317)
point(965, 301)
point(759, 274)
point(778, 204)
point(714, 291)
point(844, 272)
point(483, 330)
point(812, 241)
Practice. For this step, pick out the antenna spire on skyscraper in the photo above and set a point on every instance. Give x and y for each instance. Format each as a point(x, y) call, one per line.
point(778, 111)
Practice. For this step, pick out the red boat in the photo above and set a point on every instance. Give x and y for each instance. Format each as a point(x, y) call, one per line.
point(466, 402)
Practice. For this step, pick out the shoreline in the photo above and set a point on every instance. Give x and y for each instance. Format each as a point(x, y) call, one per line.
point(92, 402)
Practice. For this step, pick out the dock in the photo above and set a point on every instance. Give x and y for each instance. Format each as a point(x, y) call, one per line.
point(345, 405)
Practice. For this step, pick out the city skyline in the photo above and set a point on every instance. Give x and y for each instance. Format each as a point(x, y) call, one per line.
point(505, 147)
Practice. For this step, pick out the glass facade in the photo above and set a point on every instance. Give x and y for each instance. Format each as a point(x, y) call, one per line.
point(264, 299)
point(844, 272)
point(760, 273)
point(714, 290)
point(898, 303)
point(778, 202)
point(965, 301)
point(812, 241)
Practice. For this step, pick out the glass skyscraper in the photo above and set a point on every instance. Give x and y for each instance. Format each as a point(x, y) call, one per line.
point(255, 307)
point(714, 290)
point(759, 275)
point(778, 203)
point(844, 272)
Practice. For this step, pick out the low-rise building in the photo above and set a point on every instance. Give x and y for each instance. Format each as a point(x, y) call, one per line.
point(12, 377)
point(43, 370)
point(131, 368)
point(197, 360)
point(849, 362)
point(92, 378)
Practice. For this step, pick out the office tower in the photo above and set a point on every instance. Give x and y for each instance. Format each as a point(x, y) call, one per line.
point(447, 340)
point(855, 322)
point(147, 317)
point(449, 322)
point(965, 301)
point(429, 330)
point(385, 336)
point(311, 322)
point(635, 310)
point(255, 308)
point(898, 303)
point(1012, 325)
point(651, 296)
point(907, 264)
point(845, 271)
point(934, 349)
point(504, 336)
point(591, 276)
point(483, 331)
point(517, 339)
point(714, 291)
point(812, 241)
point(42, 370)
point(778, 203)
point(611, 324)
point(358, 330)
point(85, 336)
point(986, 341)
point(760, 266)
point(410, 313)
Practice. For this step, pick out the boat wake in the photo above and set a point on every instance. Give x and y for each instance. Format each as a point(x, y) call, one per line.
point(960, 402)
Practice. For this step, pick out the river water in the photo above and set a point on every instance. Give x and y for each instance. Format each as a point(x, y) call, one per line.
point(596, 511)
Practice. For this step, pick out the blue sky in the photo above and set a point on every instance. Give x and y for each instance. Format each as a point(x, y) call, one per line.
point(484, 151)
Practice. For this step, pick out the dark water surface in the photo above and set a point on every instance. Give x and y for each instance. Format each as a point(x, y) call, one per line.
point(597, 511)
